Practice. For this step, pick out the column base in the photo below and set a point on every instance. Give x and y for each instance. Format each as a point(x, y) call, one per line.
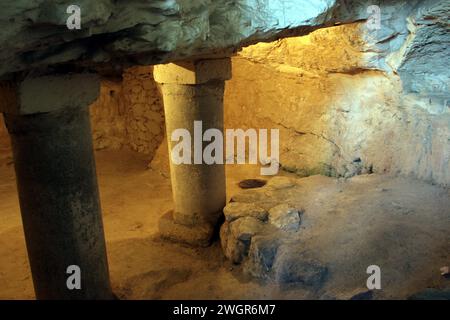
point(198, 236)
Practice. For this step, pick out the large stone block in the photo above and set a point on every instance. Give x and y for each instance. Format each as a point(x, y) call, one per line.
point(193, 72)
point(199, 235)
point(236, 210)
point(285, 217)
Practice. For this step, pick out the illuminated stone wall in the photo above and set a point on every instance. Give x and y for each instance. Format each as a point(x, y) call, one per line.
point(144, 114)
point(129, 113)
point(347, 100)
point(339, 112)
point(108, 117)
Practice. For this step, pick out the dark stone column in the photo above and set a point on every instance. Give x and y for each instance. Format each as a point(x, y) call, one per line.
point(59, 199)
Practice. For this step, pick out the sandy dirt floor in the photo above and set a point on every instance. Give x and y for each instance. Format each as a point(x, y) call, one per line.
point(400, 224)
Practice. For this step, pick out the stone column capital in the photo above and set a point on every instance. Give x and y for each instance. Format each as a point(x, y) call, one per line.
point(47, 93)
point(193, 72)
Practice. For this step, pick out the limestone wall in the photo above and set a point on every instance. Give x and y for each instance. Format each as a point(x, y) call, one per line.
point(339, 112)
point(129, 113)
point(108, 117)
point(144, 114)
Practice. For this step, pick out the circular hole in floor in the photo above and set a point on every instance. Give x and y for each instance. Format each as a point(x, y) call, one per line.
point(252, 183)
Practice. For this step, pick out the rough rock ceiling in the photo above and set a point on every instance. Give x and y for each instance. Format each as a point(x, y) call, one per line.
point(118, 33)
point(413, 40)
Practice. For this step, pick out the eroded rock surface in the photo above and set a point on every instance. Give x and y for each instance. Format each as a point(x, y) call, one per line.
point(352, 100)
point(261, 237)
point(345, 226)
point(285, 217)
point(115, 34)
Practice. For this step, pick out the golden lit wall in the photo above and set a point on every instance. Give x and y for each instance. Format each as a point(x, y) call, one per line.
point(337, 114)
point(129, 113)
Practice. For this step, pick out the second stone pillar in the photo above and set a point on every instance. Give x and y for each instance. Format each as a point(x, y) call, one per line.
point(193, 101)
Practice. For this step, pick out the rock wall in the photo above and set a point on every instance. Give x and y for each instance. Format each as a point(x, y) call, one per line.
point(129, 113)
point(348, 99)
point(108, 117)
point(340, 110)
point(144, 111)
point(357, 98)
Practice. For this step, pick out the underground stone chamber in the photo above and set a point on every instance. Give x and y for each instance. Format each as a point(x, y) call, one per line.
point(107, 160)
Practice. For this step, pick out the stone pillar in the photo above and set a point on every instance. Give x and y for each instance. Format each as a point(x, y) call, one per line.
point(48, 121)
point(193, 91)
